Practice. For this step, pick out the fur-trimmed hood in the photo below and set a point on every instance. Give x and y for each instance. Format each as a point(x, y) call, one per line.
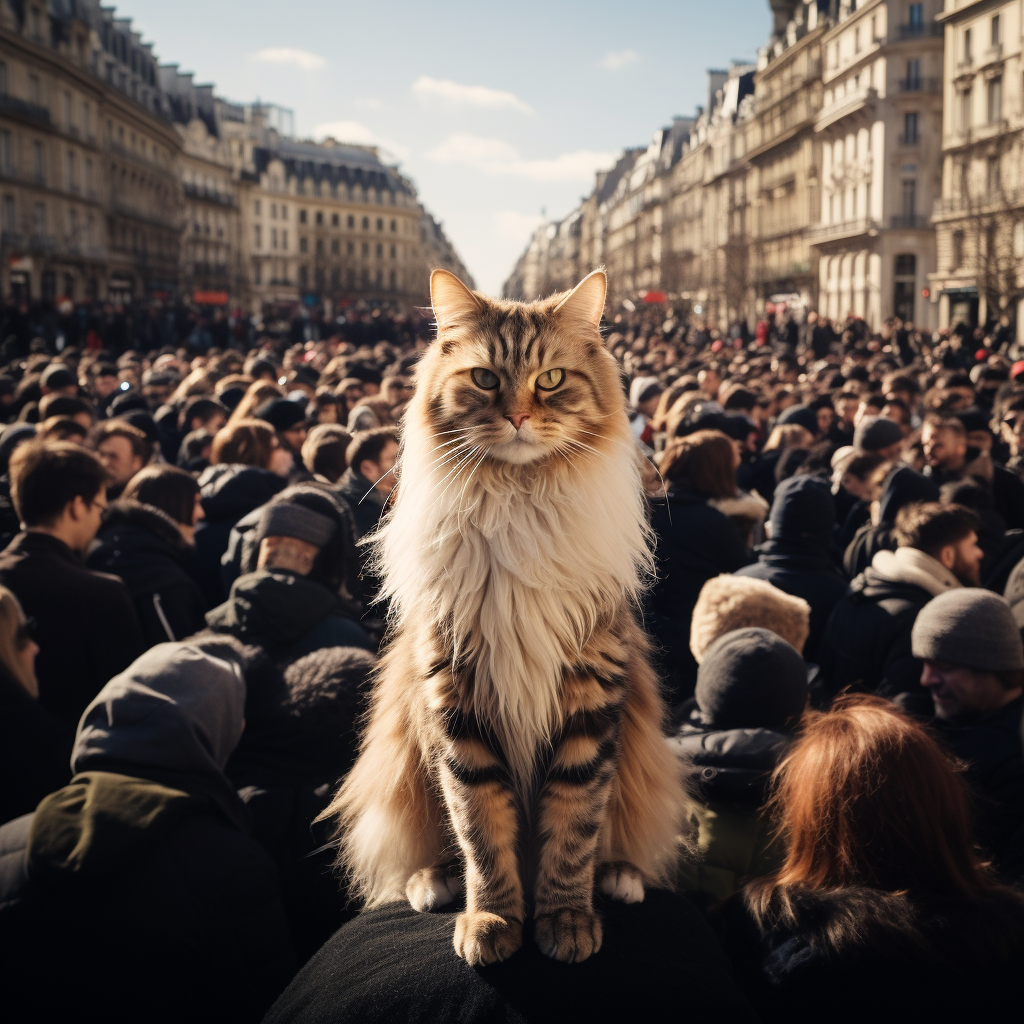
point(126, 512)
point(749, 509)
point(738, 602)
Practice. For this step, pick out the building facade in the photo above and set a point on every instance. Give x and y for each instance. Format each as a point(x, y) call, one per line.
point(979, 219)
point(90, 201)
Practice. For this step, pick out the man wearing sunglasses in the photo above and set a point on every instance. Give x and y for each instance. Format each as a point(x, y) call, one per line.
point(87, 628)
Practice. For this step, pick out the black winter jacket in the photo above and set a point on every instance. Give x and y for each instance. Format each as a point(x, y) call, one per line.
point(803, 569)
point(228, 493)
point(991, 749)
point(855, 955)
point(695, 543)
point(87, 627)
point(866, 642)
point(145, 548)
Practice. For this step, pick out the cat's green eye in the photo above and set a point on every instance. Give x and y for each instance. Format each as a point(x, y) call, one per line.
point(482, 378)
point(550, 379)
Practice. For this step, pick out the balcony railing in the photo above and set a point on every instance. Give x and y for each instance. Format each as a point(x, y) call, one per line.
point(11, 240)
point(918, 85)
point(992, 54)
point(921, 31)
point(843, 229)
point(12, 105)
point(907, 140)
point(908, 222)
point(209, 194)
point(844, 106)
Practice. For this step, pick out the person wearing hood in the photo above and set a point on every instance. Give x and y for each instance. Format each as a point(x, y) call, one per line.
point(866, 644)
point(249, 467)
point(798, 557)
point(148, 540)
point(136, 882)
point(34, 746)
point(291, 604)
point(751, 694)
point(903, 486)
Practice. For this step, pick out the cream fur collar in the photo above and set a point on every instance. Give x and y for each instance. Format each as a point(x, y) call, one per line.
point(908, 565)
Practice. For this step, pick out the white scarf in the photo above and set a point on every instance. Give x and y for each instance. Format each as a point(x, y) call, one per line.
point(908, 565)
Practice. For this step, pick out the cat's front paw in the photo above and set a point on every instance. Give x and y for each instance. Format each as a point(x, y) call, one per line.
point(483, 938)
point(430, 888)
point(622, 881)
point(569, 935)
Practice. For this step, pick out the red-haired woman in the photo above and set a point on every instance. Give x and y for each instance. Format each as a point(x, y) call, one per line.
point(882, 909)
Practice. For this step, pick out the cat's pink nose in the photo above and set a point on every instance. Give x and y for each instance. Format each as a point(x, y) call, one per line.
point(517, 419)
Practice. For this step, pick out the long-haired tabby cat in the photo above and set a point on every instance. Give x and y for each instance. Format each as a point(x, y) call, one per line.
point(514, 739)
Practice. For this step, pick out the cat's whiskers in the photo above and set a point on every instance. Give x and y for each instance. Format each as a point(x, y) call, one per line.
point(476, 466)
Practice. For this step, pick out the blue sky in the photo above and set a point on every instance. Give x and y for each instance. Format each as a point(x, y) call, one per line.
point(497, 113)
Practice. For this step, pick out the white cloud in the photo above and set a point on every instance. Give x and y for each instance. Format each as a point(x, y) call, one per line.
point(618, 59)
point(516, 227)
point(355, 131)
point(456, 95)
point(287, 55)
point(496, 157)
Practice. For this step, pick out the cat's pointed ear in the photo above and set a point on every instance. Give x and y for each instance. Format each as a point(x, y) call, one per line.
point(450, 298)
point(586, 300)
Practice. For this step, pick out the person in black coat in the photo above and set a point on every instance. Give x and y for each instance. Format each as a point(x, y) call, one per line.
point(900, 488)
point(881, 909)
point(146, 541)
point(35, 748)
point(86, 624)
point(970, 646)
point(866, 643)
point(301, 737)
point(248, 468)
point(798, 557)
point(695, 542)
point(393, 965)
point(135, 886)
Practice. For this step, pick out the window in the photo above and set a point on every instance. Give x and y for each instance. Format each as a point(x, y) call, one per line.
point(380, 250)
point(910, 136)
point(35, 90)
point(392, 252)
point(351, 221)
point(334, 220)
point(993, 175)
point(284, 211)
point(394, 225)
point(350, 248)
point(303, 276)
point(916, 17)
point(88, 176)
point(995, 30)
point(335, 247)
point(284, 239)
point(258, 208)
point(968, 56)
point(7, 213)
point(913, 82)
point(72, 171)
point(257, 273)
point(856, 40)
point(319, 218)
point(995, 99)
point(302, 216)
point(319, 247)
point(380, 223)
point(303, 244)
point(909, 198)
point(965, 110)
point(366, 223)
point(6, 152)
point(67, 110)
point(366, 248)
point(258, 232)
point(273, 238)
point(86, 119)
point(3, 78)
point(39, 218)
point(38, 162)
point(874, 28)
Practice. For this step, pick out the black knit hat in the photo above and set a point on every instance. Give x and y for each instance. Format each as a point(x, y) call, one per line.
point(803, 416)
point(281, 413)
point(749, 679)
point(874, 433)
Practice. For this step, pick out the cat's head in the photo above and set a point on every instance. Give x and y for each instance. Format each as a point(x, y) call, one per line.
point(521, 381)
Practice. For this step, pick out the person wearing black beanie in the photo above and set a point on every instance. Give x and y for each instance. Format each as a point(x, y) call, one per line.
point(751, 694)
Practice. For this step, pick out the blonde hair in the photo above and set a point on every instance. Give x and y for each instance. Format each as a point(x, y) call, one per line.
point(11, 617)
point(260, 391)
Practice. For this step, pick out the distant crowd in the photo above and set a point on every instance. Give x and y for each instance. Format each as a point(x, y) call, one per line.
point(188, 633)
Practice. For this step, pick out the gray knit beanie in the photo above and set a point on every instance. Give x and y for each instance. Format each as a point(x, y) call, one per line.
point(874, 433)
point(290, 519)
point(971, 627)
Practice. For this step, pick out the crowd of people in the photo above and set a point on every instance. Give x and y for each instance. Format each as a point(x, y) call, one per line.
point(188, 633)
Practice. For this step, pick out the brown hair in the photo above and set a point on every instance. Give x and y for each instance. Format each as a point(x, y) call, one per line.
point(867, 798)
point(704, 461)
point(324, 451)
point(167, 488)
point(930, 526)
point(260, 391)
point(141, 447)
point(47, 475)
point(248, 442)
